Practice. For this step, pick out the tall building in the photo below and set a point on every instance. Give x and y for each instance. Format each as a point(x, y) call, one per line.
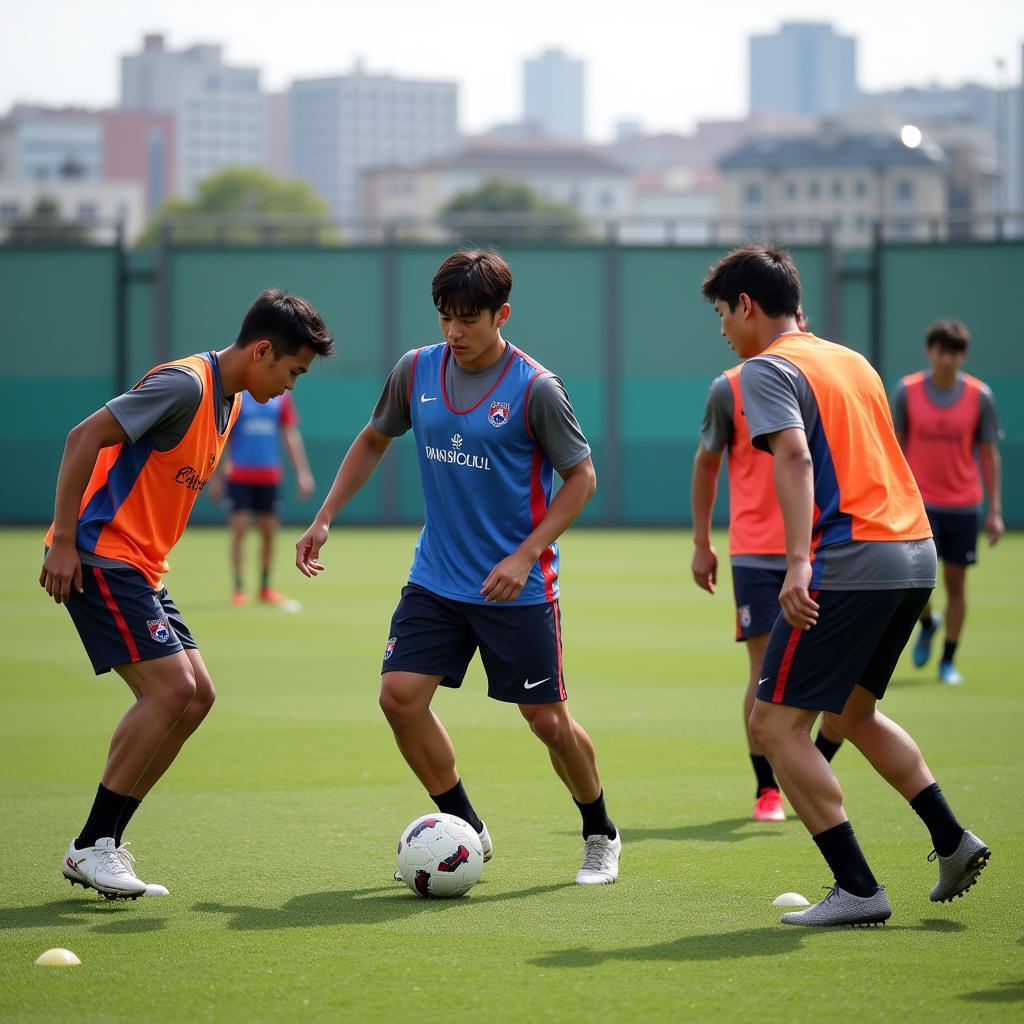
point(218, 109)
point(339, 127)
point(553, 94)
point(804, 68)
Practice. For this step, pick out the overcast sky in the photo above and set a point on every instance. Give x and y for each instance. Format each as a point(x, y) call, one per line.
point(666, 63)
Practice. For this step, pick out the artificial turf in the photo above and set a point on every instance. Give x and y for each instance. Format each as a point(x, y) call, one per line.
point(276, 829)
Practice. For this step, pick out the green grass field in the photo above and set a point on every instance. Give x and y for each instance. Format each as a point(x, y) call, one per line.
point(275, 831)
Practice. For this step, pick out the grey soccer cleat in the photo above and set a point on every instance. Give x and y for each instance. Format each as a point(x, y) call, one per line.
point(842, 907)
point(960, 870)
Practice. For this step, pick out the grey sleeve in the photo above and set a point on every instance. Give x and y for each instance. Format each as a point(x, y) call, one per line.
point(770, 399)
point(554, 425)
point(163, 406)
point(989, 430)
point(716, 428)
point(899, 409)
point(391, 413)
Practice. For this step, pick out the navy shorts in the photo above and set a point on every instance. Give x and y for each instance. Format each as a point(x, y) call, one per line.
point(757, 599)
point(259, 498)
point(857, 641)
point(956, 535)
point(520, 645)
point(122, 619)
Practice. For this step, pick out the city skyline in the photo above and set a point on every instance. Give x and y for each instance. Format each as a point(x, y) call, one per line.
point(664, 66)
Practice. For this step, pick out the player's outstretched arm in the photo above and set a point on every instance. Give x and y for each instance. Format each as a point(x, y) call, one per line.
point(794, 484)
point(62, 568)
point(508, 577)
point(704, 487)
point(356, 468)
point(297, 454)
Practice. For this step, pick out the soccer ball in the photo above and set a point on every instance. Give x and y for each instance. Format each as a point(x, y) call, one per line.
point(440, 856)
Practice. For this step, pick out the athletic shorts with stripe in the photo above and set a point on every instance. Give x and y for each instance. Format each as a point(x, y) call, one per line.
point(520, 645)
point(122, 619)
point(857, 641)
point(756, 592)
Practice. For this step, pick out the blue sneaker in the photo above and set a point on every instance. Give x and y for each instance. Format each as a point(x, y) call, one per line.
point(923, 646)
point(949, 674)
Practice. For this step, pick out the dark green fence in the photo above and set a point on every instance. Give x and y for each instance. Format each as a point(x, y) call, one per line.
point(624, 326)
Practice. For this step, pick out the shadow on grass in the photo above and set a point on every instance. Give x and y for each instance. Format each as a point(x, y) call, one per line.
point(117, 917)
point(358, 907)
point(729, 830)
point(1005, 992)
point(774, 940)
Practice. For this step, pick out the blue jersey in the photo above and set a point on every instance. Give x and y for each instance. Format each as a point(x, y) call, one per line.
point(486, 481)
point(255, 442)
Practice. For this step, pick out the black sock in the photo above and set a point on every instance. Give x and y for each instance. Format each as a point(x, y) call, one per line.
point(102, 820)
point(939, 819)
point(265, 581)
point(841, 850)
point(455, 801)
point(130, 806)
point(764, 773)
point(949, 649)
point(238, 584)
point(595, 818)
point(826, 746)
point(928, 620)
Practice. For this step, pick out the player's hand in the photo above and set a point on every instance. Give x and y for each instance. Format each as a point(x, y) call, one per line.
point(62, 570)
point(306, 485)
point(704, 567)
point(307, 551)
point(507, 579)
point(994, 527)
point(798, 609)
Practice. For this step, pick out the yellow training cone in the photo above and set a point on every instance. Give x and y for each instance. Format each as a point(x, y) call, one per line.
point(58, 958)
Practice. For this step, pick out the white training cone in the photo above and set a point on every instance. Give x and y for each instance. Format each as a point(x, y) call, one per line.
point(790, 899)
point(58, 958)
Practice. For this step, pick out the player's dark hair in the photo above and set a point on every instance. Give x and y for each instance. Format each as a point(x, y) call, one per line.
point(288, 322)
point(471, 281)
point(948, 334)
point(768, 275)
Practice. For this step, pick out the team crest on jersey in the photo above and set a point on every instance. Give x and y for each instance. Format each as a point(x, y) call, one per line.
point(159, 630)
point(745, 618)
point(390, 647)
point(497, 415)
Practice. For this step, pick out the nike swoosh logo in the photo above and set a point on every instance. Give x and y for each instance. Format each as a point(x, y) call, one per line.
point(529, 686)
point(765, 680)
point(423, 398)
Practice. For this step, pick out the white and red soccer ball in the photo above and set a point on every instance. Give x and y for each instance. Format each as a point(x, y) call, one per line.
point(440, 856)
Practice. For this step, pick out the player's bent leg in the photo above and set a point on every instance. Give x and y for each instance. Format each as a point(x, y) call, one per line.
point(405, 701)
point(575, 762)
point(767, 798)
point(891, 751)
point(784, 734)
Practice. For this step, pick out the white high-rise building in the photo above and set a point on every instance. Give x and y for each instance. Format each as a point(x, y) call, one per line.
point(553, 94)
point(219, 109)
point(804, 68)
point(338, 127)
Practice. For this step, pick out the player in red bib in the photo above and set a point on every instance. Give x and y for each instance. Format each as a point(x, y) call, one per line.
point(129, 477)
point(946, 421)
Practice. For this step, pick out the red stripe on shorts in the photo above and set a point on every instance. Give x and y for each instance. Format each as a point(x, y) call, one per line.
point(787, 658)
point(556, 611)
point(122, 626)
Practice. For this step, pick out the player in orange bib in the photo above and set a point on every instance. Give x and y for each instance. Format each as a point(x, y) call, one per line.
point(860, 569)
point(129, 477)
point(946, 421)
point(757, 553)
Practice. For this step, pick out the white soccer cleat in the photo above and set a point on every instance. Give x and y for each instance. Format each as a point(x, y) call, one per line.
point(485, 843)
point(600, 860)
point(104, 867)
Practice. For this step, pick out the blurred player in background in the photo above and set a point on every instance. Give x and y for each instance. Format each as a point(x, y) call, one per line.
point(254, 482)
point(946, 421)
point(757, 553)
point(129, 477)
point(860, 568)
